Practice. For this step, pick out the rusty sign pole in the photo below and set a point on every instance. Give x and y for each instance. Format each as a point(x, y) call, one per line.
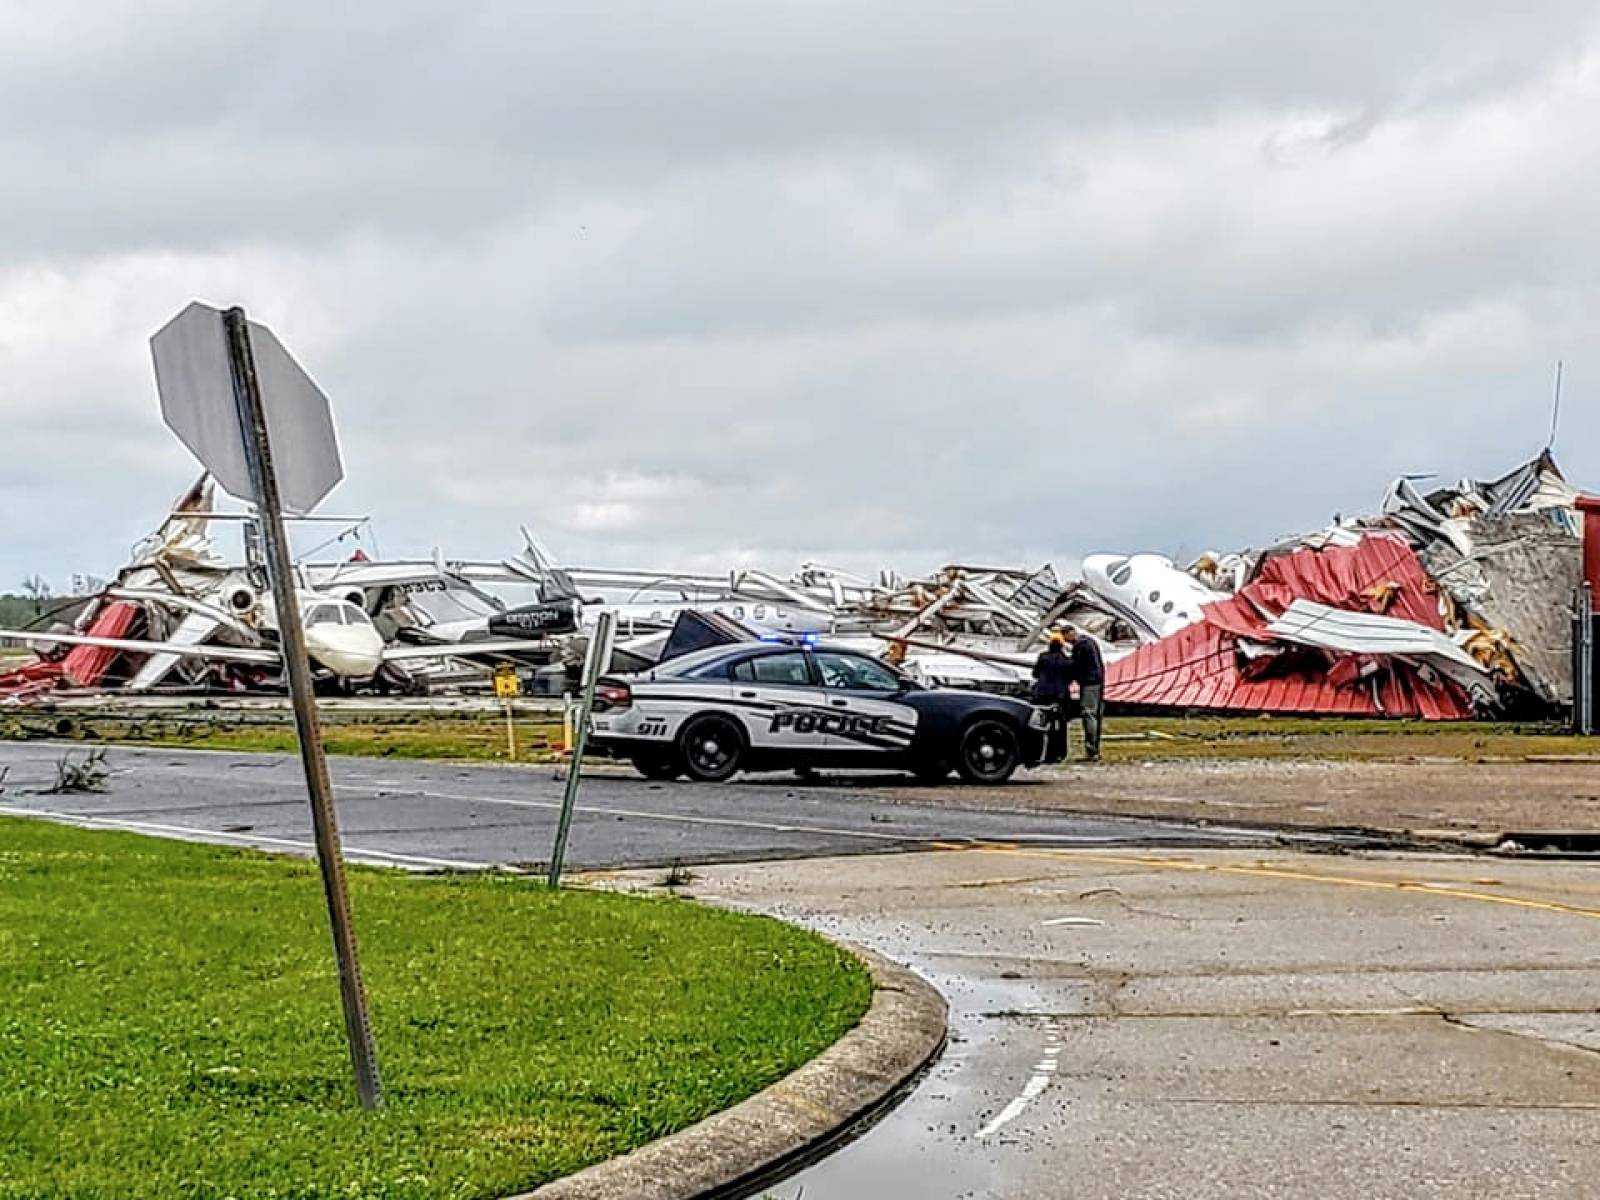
point(269, 509)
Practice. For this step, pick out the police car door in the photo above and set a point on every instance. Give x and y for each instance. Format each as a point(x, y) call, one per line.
point(862, 698)
point(779, 703)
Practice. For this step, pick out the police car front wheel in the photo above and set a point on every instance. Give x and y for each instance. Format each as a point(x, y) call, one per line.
point(710, 748)
point(990, 752)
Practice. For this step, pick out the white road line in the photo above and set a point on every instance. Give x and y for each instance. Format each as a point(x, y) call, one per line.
point(401, 790)
point(1031, 1091)
point(1086, 922)
point(190, 833)
point(643, 815)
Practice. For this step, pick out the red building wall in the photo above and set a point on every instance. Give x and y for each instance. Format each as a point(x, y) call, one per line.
point(1590, 507)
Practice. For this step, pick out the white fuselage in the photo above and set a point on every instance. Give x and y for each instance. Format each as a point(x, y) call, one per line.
point(1154, 595)
point(341, 638)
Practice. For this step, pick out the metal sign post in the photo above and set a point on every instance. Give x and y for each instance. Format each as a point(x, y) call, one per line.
point(508, 686)
point(1583, 661)
point(292, 638)
point(599, 655)
point(202, 356)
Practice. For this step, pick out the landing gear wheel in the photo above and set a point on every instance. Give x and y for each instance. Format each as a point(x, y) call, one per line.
point(989, 752)
point(710, 748)
point(656, 766)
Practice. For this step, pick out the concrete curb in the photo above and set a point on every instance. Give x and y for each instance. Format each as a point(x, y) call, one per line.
point(754, 1144)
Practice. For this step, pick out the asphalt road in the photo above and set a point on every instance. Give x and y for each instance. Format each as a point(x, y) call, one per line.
point(1220, 1025)
point(443, 815)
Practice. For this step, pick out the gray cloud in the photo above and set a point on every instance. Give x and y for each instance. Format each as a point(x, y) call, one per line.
point(711, 282)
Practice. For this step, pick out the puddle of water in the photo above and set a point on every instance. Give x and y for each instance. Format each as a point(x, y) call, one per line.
point(912, 1154)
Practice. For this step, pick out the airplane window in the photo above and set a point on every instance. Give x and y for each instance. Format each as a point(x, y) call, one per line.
point(324, 614)
point(760, 612)
point(356, 616)
point(1167, 607)
point(1155, 597)
point(853, 673)
point(1120, 573)
point(738, 611)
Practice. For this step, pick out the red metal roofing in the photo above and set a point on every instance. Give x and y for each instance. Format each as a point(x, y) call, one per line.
point(85, 666)
point(82, 666)
point(1200, 667)
point(26, 682)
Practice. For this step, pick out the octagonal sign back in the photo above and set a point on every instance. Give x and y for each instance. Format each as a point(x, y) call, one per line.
point(195, 383)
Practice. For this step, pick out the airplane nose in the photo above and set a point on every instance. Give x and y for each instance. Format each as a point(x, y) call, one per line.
point(349, 652)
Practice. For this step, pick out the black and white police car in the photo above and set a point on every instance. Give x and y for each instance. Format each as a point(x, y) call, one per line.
point(762, 706)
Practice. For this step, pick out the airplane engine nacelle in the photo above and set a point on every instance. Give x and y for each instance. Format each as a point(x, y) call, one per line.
point(354, 596)
point(545, 619)
point(240, 599)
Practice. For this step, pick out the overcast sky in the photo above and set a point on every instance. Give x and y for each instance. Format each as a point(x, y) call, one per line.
point(703, 284)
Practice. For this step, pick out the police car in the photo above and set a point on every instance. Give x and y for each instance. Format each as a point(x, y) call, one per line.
point(754, 706)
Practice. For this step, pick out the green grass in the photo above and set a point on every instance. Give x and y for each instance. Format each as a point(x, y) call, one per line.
point(1155, 739)
point(171, 1025)
point(1132, 739)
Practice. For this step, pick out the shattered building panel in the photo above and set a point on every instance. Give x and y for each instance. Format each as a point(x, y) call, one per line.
point(1218, 664)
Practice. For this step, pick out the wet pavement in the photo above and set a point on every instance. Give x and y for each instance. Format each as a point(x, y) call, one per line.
point(1215, 1024)
point(442, 815)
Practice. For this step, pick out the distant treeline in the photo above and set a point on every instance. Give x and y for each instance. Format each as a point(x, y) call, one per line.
point(18, 612)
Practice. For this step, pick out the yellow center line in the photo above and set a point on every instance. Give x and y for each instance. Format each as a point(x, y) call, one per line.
point(1262, 871)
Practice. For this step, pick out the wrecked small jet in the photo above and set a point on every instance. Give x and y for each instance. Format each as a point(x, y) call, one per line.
point(343, 643)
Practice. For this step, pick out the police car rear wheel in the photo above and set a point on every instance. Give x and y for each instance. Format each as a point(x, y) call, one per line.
point(990, 752)
point(710, 748)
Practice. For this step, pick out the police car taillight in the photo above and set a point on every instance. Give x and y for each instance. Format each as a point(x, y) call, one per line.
point(608, 693)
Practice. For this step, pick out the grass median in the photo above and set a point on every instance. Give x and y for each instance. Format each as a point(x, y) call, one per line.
point(171, 1023)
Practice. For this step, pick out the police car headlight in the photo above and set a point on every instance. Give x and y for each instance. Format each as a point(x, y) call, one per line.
point(1039, 720)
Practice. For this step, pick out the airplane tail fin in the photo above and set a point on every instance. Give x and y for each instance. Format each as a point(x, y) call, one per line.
point(554, 583)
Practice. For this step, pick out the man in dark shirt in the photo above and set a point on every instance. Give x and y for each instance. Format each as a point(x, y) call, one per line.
point(1089, 672)
point(1052, 687)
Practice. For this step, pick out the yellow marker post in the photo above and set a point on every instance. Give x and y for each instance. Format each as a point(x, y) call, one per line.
point(508, 686)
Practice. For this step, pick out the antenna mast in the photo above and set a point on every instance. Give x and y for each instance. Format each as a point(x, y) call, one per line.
point(1555, 411)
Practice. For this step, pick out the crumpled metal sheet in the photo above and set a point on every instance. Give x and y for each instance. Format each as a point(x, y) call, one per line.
point(1372, 635)
point(1221, 664)
point(1519, 579)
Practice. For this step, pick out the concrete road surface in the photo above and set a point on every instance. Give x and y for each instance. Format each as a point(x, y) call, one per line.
point(1214, 1024)
point(429, 814)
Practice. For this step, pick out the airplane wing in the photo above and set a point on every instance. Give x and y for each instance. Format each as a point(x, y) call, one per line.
point(239, 654)
point(491, 647)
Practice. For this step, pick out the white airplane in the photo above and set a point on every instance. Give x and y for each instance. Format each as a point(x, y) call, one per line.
point(655, 600)
point(1155, 596)
point(340, 639)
